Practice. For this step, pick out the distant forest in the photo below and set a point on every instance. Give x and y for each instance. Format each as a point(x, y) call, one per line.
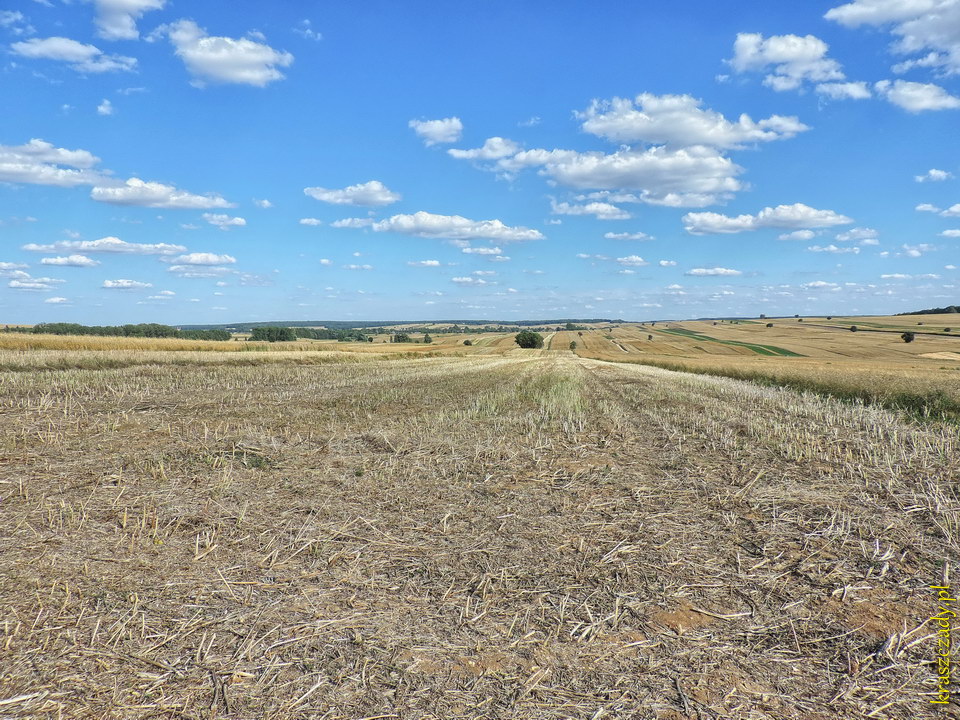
point(935, 311)
point(373, 327)
point(150, 330)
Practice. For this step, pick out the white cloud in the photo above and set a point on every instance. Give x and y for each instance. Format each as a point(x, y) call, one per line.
point(370, 194)
point(40, 163)
point(199, 271)
point(934, 175)
point(627, 236)
point(916, 97)
point(80, 57)
point(223, 221)
point(352, 223)
point(819, 284)
point(326, 261)
point(952, 211)
point(242, 61)
point(667, 263)
point(57, 300)
point(424, 263)
point(687, 177)
point(204, 258)
point(791, 59)
point(797, 215)
point(311, 221)
point(858, 234)
point(452, 227)
point(601, 210)
point(845, 90)
point(834, 249)
point(716, 271)
point(950, 234)
point(117, 19)
point(168, 293)
point(358, 267)
point(798, 235)
point(126, 284)
point(632, 261)
point(493, 149)
point(680, 121)
point(927, 207)
point(435, 132)
point(931, 26)
point(105, 107)
point(265, 204)
point(107, 245)
point(481, 250)
point(156, 195)
point(305, 30)
point(70, 261)
point(469, 281)
point(916, 251)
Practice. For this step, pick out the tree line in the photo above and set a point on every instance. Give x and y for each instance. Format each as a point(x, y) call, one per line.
point(145, 330)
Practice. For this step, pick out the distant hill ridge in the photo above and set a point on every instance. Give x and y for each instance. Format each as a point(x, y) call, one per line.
point(344, 324)
point(935, 311)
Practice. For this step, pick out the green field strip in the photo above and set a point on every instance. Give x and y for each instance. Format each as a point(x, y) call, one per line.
point(768, 350)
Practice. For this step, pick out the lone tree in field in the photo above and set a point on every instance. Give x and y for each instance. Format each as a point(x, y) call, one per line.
point(573, 345)
point(427, 338)
point(529, 339)
point(468, 342)
point(908, 337)
point(853, 328)
point(769, 324)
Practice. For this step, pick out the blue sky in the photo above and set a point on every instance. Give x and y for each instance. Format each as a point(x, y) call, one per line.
point(209, 162)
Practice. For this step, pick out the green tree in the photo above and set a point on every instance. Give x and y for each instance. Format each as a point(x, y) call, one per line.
point(427, 339)
point(908, 337)
point(468, 342)
point(529, 339)
point(400, 338)
point(573, 345)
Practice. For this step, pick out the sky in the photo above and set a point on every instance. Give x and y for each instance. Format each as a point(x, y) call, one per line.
point(211, 162)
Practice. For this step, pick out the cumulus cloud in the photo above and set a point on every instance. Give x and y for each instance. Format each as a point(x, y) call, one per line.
point(204, 258)
point(448, 227)
point(798, 235)
point(126, 284)
point(844, 90)
point(436, 132)
point(70, 261)
point(667, 263)
point(681, 121)
point(716, 271)
point(106, 245)
point(117, 19)
point(493, 149)
point(78, 56)
point(952, 211)
point(40, 163)
point(369, 194)
point(927, 207)
point(56, 300)
point(481, 250)
point(600, 210)
point(358, 267)
point(931, 27)
point(687, 177)
point(797, 215)
point(934, 175)
point(469, 281)
point(199, 271)
point(265, 204)
point(156, 195)
point(424, 263)
point(790, 59)
point(223, 221)
point(627, 236)
point(241, 61)
point(858, 234)
point(632, 261)
point(917, 97)
point(950, 234)
point(834, 249)
point(105, 107)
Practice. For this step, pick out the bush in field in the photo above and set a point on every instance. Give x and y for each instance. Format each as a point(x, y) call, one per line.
point(908, 337)
point(769, 324)
point(946, 329)
point(529, 339)
point(573, 344)
point(468, 342)
point(649, 337)
point(400, 338)
point(853, 328)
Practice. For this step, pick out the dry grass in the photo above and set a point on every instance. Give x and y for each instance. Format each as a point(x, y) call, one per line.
point(523, 536)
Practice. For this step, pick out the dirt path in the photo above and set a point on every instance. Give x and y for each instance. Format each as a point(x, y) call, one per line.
point(496, 537)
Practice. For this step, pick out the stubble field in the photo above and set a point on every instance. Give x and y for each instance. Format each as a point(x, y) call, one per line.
point(492, 534)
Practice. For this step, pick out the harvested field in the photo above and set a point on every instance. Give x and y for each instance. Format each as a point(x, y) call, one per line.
point(529, 535)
